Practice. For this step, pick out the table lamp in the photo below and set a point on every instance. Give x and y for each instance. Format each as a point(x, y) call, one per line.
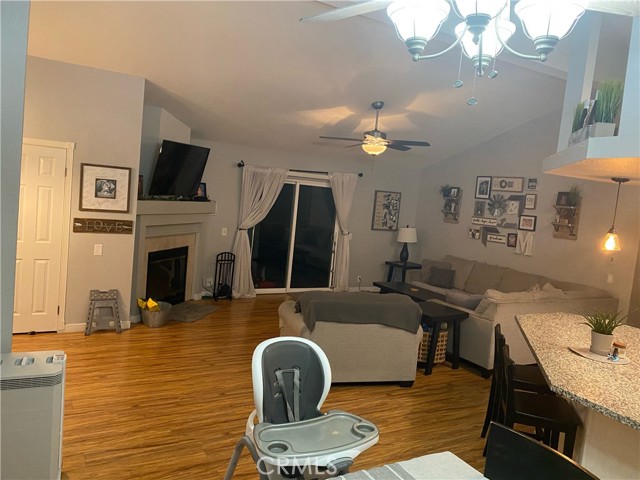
point(406, 235)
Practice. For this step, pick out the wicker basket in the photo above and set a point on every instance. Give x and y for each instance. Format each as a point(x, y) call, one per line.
point(441, 346)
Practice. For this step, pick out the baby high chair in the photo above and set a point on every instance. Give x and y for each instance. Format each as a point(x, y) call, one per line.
point(293, 439)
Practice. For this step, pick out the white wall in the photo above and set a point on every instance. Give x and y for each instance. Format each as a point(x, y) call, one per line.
point(519, 153)
point(158, 125)
point(14, 20)
point(369, 248)
point(101, 112)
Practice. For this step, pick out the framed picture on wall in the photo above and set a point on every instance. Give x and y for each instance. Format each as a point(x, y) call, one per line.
point(507, 184)
point(512, 239)
point(104, 188)
point(527, 222)
point(386, 210)
point(530, 201)
point(483, 187)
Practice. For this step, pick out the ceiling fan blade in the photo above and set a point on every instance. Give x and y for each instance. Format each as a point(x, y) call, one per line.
point(343, 138)
point(347, 12)
point(400, 147)
point(355, 145)
point(413, 143)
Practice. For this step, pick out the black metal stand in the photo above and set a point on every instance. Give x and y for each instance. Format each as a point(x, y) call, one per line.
point(224, 275)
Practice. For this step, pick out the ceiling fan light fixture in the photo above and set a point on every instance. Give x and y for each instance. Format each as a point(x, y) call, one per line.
point(374, 149)
point(417, 18)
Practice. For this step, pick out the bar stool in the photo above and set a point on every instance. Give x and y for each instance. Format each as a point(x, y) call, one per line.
point(525, 377)
point(549, 414)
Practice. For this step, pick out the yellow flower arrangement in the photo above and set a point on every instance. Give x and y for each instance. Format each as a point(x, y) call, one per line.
point(150, 305)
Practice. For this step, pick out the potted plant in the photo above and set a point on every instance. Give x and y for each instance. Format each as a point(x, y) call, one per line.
point(608, 103)
point(602, 326)
point(574, 196)
point(445, 190)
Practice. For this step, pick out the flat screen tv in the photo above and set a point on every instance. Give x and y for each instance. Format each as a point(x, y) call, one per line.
point(179, 170)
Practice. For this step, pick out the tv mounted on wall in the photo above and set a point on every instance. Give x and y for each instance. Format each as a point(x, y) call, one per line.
point(179, 170)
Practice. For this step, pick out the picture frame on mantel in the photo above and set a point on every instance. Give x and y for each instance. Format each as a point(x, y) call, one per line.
point(104, 188)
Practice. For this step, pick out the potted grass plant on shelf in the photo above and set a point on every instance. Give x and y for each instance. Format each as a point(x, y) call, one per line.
point(608, 104)
point(602, 325)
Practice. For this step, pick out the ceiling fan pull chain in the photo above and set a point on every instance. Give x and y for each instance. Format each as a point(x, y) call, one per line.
point(493, 73)
point(458, 83)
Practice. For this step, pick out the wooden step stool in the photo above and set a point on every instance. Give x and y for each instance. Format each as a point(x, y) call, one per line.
point(103, 311)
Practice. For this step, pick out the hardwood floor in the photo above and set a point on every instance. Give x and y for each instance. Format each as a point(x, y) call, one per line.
point(171, 402)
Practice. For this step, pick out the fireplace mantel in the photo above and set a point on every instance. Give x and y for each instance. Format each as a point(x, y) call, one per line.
point(167, 207)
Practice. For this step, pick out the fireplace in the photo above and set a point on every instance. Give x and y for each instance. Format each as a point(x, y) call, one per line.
point(167, 275)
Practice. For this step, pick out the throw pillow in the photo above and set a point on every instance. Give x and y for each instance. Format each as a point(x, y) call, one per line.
point(426, 268)
point(441, 277)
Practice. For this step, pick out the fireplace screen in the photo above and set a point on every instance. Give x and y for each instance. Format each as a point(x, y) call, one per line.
point(167, 275)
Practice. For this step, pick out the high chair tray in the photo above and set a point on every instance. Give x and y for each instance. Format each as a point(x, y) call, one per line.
point(334, 431)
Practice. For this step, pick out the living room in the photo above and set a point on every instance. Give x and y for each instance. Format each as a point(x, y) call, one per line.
point(103, 112)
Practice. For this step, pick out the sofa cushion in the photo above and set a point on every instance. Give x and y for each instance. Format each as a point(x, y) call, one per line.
point(462, 268)
point(463, 299)
point(516, 281)
point(441, 277)
point(484, 276)
point(425, 273)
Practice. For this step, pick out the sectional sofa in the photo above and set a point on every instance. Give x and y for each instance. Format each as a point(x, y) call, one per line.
point(493, 294)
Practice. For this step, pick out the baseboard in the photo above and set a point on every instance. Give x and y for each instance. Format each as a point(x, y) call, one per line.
point(79, 327)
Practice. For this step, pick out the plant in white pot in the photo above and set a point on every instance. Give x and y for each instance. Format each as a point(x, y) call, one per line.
point(602, 326)
point(608, 104)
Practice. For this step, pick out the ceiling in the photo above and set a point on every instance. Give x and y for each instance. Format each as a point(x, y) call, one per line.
point(250, 73)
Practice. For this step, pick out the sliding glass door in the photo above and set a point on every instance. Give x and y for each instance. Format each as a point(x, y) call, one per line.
point(293, 247)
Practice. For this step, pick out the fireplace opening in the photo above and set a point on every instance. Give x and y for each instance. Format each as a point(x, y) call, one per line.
point(167, 275)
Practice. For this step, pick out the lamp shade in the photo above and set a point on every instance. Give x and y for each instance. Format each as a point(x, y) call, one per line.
point(407, 235)
point(417, 18)
point(611, 242)
point(549, 18)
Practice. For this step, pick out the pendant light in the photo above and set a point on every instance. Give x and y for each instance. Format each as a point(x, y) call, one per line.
point(611, 242)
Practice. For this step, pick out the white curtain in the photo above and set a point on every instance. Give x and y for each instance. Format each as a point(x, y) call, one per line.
point(343, 187)
point(260, 189)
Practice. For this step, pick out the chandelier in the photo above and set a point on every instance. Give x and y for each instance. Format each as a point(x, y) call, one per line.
point(486, 27)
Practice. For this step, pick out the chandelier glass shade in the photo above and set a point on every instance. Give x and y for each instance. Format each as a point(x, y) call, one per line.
point(490, 46)
point(486, 27)
point(417, 18)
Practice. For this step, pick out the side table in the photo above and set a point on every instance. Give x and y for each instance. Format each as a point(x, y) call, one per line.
point(434, 314)
point(402, 265)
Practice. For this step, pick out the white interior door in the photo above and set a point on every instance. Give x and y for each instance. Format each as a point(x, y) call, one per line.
point(40, 263)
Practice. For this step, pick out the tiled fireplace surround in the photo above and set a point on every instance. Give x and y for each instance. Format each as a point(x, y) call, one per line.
point(162, 225)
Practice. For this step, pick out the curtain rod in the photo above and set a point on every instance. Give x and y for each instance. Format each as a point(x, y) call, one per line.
point(241, 164)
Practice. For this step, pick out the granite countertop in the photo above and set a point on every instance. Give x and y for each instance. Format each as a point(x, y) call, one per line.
point(608, 388)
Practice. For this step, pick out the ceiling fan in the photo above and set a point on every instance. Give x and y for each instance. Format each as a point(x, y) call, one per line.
point(376, 142)
point(619, 7)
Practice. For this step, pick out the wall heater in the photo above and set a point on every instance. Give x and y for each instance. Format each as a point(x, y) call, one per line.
point(31, 411)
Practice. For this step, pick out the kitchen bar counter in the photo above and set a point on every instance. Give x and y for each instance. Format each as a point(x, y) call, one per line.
point(610, 389)
point(606, 395)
